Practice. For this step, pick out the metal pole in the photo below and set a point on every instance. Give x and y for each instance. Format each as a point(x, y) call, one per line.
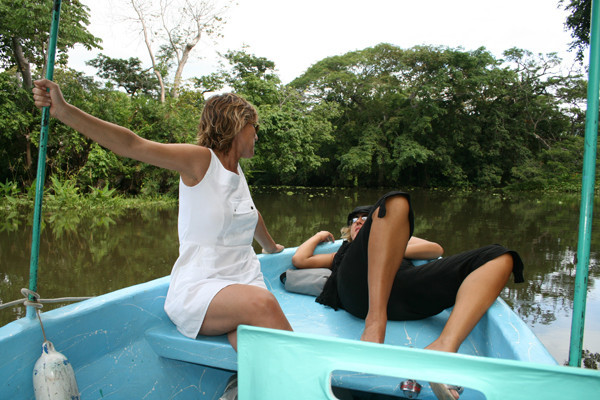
point(41, 167)
point(587, 193)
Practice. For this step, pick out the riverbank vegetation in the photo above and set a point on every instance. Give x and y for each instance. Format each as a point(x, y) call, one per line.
point(381, 116)
point(66, 208)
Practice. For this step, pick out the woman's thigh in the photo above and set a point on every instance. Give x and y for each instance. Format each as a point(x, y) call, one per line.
point(242, 304)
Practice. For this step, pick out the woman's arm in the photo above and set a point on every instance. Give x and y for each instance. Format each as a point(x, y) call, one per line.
point(189, 160)
point(421, 249)
point(305, 257)
point(262, 236)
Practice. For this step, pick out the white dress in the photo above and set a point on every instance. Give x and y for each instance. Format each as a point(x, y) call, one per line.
point(217, 219)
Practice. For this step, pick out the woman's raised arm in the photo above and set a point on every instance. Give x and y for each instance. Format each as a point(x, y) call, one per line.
point(191, 161)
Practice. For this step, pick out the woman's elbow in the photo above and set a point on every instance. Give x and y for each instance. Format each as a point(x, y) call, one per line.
point(296, 261)
point(301, 261)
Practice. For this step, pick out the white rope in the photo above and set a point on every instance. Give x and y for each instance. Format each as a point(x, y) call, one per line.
point(37, 302)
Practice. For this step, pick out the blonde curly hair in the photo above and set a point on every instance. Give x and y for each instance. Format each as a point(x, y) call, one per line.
point(223, 117)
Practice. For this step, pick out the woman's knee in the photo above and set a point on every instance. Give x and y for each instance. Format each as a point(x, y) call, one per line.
point(264, 301)
point(397, 203)
point(503, 264)
point(395, 206)
point(505, 261)
point(264, 306)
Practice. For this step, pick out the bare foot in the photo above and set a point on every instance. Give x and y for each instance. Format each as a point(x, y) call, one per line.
point(445, 392)
point(448, 346)
point(374, 332)
point(441, 391)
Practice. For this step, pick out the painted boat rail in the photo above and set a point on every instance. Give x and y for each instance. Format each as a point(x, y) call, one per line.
point(304, 363)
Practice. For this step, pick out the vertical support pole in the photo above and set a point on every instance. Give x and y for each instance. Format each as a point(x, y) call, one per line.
point(587, 193)
point(41, 167)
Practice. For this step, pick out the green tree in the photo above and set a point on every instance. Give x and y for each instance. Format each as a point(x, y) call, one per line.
point(174, 121)
point(364, 85)
point(24, 34)
point(16, 129)
point(434, 116)
point(24, 38)
point(579, 23)
point(289, 144)
point(68, 150)
point(209, 83)
point(252, 77)
point(390, 99)
point(544, 116)
point(127, 74)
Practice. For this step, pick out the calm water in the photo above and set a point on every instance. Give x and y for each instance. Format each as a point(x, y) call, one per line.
point(90, 257)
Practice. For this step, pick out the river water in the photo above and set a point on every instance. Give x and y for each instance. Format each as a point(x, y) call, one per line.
point(91, 256)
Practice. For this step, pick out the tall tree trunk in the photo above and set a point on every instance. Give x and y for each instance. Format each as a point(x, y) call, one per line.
point(203, 15)
point(181, 65)
point(193, 17)
point(25, 71)
point(142, 20)
point(22, 64)
point(28, 157)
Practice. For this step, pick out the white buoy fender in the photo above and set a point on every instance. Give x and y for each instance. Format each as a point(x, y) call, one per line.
point(53, 376)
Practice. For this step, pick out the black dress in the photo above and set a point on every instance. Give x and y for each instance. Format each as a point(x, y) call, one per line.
point(418, 291)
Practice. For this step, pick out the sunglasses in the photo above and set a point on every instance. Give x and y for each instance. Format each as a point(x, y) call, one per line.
point(363, 218)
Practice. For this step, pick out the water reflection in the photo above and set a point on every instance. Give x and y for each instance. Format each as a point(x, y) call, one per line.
point(90, 256)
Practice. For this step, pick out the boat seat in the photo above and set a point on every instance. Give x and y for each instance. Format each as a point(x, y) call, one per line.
point(211, 351)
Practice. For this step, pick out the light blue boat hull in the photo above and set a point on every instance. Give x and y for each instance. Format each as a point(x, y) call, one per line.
point(107, 341)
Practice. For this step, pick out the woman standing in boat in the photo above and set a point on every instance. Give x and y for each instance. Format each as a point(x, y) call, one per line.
point(216, 283)
point(373, 279)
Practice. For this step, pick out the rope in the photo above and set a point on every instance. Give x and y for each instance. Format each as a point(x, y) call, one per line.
point(38, 302)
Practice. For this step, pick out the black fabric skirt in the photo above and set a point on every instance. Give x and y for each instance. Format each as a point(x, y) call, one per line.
point(418, 291)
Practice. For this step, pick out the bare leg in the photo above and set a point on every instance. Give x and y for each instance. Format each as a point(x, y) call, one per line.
point(242, 304)
point(387, 244)
point(475, 296)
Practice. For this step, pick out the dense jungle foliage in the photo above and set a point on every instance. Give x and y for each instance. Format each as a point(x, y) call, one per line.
point(381, 116)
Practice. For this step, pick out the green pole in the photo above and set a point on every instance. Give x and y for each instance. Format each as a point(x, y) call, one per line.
point(41, 167)
point(587, 193)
